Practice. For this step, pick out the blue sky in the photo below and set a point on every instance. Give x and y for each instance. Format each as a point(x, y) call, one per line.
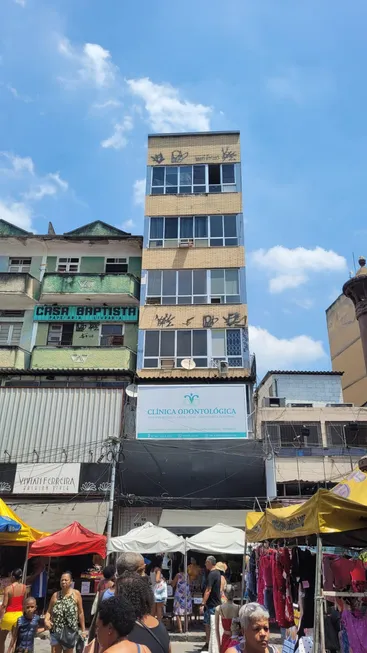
point(82, 82)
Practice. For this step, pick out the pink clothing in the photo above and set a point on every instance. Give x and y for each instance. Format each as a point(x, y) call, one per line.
point(327, 573)
point(282, 594)
point(268, 570)
point(341, 568)
point(356, 628)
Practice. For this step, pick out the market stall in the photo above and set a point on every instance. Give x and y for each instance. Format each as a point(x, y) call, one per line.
point(147, 539)
point(330, 518)
point(75, 540)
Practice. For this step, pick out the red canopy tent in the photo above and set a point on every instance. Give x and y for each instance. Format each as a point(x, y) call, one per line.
point(72, 540)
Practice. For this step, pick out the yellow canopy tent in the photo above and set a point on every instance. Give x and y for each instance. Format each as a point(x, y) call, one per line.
point(336, 511)
point(24, 536)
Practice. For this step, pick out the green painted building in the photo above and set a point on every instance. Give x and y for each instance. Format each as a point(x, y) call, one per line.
point(69, 303)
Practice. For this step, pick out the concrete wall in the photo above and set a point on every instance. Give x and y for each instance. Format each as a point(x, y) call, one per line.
point(346, 349)
point(196, 148)
point(119, 358)
point(318, 389)
point(14, 357)
point(99, 283)
point(194, 316)
point(206, 204)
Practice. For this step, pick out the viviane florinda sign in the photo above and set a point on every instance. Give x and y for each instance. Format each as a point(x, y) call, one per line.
point(191, 412)
point(47, 478)
point(46, 313)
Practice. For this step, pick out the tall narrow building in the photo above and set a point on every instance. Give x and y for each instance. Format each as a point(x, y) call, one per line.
point(193, 300)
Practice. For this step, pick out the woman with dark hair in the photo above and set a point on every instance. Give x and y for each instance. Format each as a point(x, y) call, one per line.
point(108, 580)
point(147, 631)
point(12, 607)
point(65, 612)
point(182, 603)
point(115, 621)
point(159, 586)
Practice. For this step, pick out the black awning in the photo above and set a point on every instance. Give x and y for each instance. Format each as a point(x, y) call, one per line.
point(216, 473)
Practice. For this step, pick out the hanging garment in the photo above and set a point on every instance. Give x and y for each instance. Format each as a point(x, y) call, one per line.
point(252, 585)
point(341, 568)
point(356, 628)
point(282, 593)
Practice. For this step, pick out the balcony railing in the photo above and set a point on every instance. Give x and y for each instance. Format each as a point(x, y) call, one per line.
point(118, 288)
point(91, 358)
point(18, 290)
point(12, 356)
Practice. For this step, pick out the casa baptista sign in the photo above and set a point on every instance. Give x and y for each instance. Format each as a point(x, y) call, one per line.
point(46, 313)
point(192, 412)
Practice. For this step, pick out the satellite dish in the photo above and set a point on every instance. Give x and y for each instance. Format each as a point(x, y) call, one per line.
point(132, 390)
point(188, 364)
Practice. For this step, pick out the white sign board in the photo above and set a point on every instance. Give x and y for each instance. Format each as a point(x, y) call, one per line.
point(47, 478)
point(191, 412)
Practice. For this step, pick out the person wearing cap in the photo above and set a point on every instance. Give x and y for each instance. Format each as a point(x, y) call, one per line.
point(211, 598)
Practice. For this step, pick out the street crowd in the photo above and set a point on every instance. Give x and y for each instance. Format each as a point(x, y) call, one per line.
point(128, 611)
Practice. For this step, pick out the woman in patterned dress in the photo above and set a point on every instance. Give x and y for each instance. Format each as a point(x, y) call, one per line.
point(182, 600)
point(65, 609)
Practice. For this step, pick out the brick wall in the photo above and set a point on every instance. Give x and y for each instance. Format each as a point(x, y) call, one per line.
point(150, 316)
point(192, 258)
point(205, 204)
point(313, 388)
point(195, 148)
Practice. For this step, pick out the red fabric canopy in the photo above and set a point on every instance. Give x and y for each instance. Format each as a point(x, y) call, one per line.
point(70, 541)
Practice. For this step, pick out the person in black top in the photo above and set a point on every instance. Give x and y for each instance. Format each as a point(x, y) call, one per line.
point(211, 598)
point(147, 631)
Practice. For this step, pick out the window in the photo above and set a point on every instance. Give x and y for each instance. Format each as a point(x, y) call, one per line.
point(227, 346)
point(68, 265)
point(112, 335)
point(224, 287)
point(292, 435)
point(177, 287)
point(19, 264)
point(10, 333)
point(347, 435)
point(60, 334)
point(116, 265)
point(202, 178)
point(168, 348)
point(196, 231)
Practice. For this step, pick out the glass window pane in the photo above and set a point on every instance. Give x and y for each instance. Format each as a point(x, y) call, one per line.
point(184, 282)
point(157, 190)
point(169, 282)
point(167, 343)
point(227, 173)
point(233, 342)
point(158, 176)
point(150, 362)
point(214, 174)
point(169, 301)
point(200, 299)
point(184, 343)
point(185, 190)
point(154, 283)
point(186, 227)
point(171, 176)
point(218, 342)
point(230, 226)
point(217, 282)
point(199, 175)
point(216, 226)
point(186, 176)
point(216, 242)
point(231, 242)
point(199, 189)
point(151, 343)
point(201, 226)
point(231, 282)
point(171, 190)
point(156, 228)
point(171, 228)
point(199, 282)
point(199, 343)
point(184, 299)
point(201, 362)
point(233, 299)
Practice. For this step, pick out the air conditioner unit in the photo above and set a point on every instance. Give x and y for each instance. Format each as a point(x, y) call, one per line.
point(167, 363)
point(153, 300)
point(223, 367)
point(300, 405)
point(117, 341)
point(216, 361)
point(185, 242)
point(274, 402)
point(339, 405)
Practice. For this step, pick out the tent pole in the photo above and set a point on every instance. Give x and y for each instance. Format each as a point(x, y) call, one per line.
point(47, 577)
point(318, 616)
point(186, 589)
point(24, 577)
point(243, 568)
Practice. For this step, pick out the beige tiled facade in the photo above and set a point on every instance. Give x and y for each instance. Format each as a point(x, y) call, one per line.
point(194, 316)
point(205, 204)
point(181, 150)
point(191, 258)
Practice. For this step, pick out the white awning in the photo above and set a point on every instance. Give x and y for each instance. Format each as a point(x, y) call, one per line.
point(147, 539)
point(52, 517)
point(189, 522)
point(218, 539)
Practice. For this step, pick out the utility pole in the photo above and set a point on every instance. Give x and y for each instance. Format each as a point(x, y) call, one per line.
point(114, 443)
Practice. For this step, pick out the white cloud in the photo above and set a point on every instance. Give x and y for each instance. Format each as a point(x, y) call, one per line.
point(305, 303)
point(118, 140)
point(282, 353)
point(16, 213)
point(290, 268)
point(167, 111)
point(139, 192)
point(92, 62)
point(17, 95)
point(20, 2)
point(19, 163)
point(55, 176)
point(128, 225)
point(108, 104)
